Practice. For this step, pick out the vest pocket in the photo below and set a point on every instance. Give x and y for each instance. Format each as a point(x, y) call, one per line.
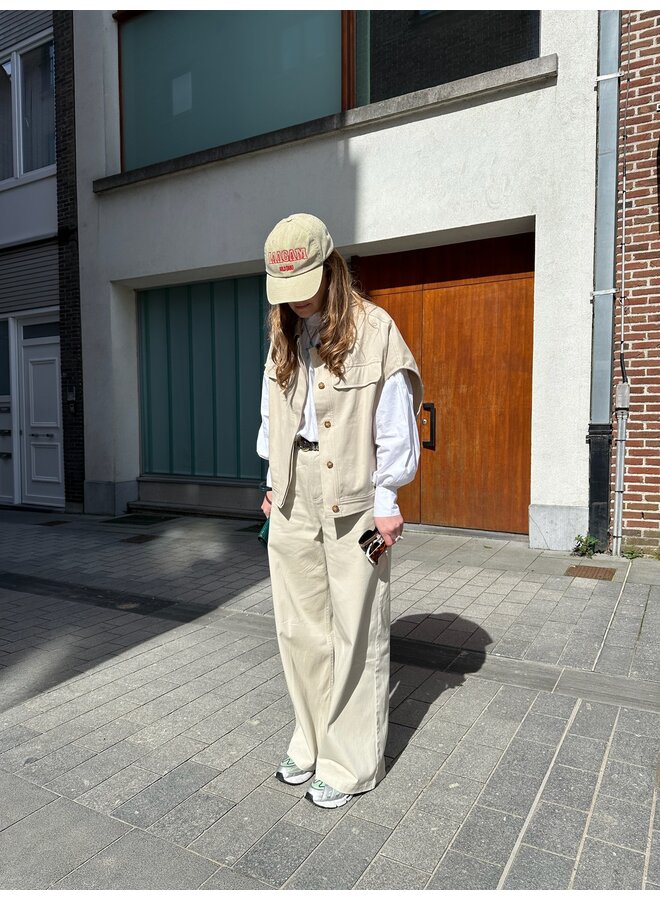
point(359, 376)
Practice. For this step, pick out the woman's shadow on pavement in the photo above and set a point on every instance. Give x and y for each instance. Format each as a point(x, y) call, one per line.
point(431, 656)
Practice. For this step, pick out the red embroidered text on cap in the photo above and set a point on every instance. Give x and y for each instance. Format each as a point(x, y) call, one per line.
point(290, 255)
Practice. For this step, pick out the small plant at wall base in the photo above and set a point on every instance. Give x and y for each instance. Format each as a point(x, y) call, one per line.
point(585, 545)
point(632, 552)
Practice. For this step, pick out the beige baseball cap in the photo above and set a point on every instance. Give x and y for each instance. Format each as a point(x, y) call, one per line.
point(294, 252)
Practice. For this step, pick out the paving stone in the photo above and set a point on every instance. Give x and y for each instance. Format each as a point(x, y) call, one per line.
point(223, 753)
point(398, 738)
point(159, 798)
point(606, 867)
point(594, 720)
point(439, 735)
point(615, 660)
point(51, 842)
point(15, 736)
point(240, 828)
point(536, 870)
point(226, 879)
point(114, 791)
point(654, 861)
point(626, 782)
point(467, 704)
point(553, 705)
point(477, 759)
point(543, 729)
point(619, 822)
point(510, 791)
point(385, 874)
point(107, 735)
point(570, 787)
point(488, 834)
point(183, 824)
point(56, 763)
point(20, 798)
point(93, 771)
point(139, 861)
point(449, 796)
point(279, 853)
point(341, 857)
point(582, 753)
point(240, 779)
point(638, 721)
point(557, 829)
point(171, 755)
point(459, 872)
point(411, 713)
point(635, 749)
point(527, 757)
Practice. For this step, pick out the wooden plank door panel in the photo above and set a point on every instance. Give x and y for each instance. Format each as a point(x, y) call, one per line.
point(477, 364)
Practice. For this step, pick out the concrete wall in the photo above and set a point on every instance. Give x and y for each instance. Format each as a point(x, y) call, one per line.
point(472, 169)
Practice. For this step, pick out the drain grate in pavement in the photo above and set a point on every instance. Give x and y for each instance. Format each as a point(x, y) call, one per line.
point(138, 519)
point(139, 539)
point(601, 572)
point(53, 522)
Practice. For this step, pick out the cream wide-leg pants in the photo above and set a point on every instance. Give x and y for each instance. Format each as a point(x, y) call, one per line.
point(332, 612)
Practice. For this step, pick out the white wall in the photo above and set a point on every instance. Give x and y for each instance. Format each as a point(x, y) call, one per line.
point(28, 211)
point(413, 183)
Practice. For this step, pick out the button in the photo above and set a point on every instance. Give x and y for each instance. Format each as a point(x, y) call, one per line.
point(330, 465)
point(321, 385)
point(335, 508)
point(327, 423)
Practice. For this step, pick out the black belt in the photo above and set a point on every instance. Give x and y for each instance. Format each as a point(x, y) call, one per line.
point(303, 444)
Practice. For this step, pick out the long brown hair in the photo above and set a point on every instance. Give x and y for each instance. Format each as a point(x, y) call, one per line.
point(337, 333)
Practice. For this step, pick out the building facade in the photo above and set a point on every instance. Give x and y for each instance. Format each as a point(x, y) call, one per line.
point(637, 320)
point(453, 157)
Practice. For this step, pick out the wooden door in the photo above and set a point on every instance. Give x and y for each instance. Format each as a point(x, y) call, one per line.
point(467, 315)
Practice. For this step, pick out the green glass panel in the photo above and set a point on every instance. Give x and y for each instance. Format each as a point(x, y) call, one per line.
point(250, 374)
point(198, 79)
point(156, 389)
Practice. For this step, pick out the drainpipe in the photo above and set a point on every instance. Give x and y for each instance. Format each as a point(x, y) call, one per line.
point(603, 296)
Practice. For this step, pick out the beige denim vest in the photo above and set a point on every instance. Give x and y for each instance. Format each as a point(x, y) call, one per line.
point(345, 411)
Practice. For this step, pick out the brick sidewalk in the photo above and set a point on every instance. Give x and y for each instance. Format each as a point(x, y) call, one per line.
point(145, 709)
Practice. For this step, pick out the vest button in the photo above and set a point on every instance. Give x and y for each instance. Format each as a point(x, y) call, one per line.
point(327, 423)
point(335, 508)
point(330, 465)
point(321, 385)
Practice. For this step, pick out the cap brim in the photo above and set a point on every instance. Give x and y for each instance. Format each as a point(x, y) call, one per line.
point(295, 288)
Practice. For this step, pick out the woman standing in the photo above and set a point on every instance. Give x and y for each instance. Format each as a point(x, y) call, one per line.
point(340, 394)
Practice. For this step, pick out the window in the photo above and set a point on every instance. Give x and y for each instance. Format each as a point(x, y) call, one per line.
point(402, 51)
point(27, 111)
point(193, 80)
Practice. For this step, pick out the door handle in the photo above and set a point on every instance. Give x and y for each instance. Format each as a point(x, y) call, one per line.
point(430, 408)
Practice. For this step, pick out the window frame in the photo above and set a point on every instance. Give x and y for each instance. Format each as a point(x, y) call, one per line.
point(348, 65)
point(19, 176)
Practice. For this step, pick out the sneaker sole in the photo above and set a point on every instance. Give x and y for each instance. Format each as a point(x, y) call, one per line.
point(295, 779)
point(329, 804)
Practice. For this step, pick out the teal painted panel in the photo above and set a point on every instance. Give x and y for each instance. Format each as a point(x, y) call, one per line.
point(203, 380)
point(198, 79)
point(202, 349)
point(157, 387)
point(226, 409)
point(250, 374)
point(181, 435)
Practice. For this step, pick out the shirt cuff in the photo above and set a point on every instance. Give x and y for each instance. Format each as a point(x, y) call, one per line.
point(385, 502)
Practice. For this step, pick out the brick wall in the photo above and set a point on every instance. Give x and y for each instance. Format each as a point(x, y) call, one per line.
point(640, 94)
point(67, 220)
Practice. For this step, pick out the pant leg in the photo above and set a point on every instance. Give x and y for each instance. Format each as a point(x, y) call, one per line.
point(352, 748)
point(301, 605)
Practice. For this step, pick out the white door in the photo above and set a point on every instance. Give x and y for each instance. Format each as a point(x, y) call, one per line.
point(41, 428)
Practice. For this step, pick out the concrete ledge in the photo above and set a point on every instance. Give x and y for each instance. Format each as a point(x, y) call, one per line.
point(201, 497)
point(109, 498)
point(555, 527)
point(477, 88)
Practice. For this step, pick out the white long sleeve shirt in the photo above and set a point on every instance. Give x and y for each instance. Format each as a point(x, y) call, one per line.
point(395, 430)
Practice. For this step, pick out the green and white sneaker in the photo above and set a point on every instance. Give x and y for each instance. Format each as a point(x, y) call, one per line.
point(289, 772)
point(321, 794)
